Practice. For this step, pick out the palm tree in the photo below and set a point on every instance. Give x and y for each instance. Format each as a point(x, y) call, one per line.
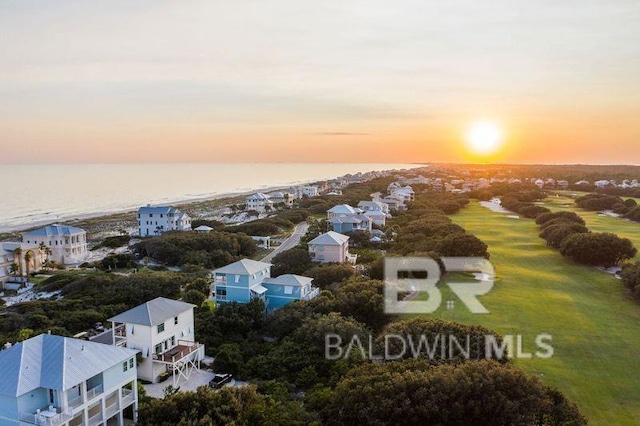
point(28, 256)
point(18, 252)
point(13, 269)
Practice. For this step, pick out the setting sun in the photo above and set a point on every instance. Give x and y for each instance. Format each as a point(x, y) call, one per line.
point(484, 138)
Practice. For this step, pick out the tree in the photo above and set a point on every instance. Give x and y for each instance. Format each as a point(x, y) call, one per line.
point(13, 269)
point(294, 261)
point(556, 234)
point(18, 253)
point(28, 256)
point(631, 278)
point(533, 211)
point(326, 275)
point(432, 329)
point(462, 245)
point(25, 334)
point(363, 300)
point(194, 297)
point(566, 216)
point(228, 359)
point(597, 249)
point(472, 393)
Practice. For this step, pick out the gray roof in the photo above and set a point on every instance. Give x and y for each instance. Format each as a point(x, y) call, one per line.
point(157, 209)
point(153, 312)
point(243, 267)
point(55, 362)
point(330, 239)
point(342, 209)
point(258, 196)
point(54, 230)
point(288, 279)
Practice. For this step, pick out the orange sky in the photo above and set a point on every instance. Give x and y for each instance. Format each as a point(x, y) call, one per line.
point(350, 81)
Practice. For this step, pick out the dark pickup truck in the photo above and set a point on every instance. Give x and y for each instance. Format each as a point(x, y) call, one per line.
point(220, 380)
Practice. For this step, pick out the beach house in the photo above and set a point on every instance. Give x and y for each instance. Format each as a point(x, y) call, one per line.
point(343, 219)
point(163, 331)
point(67, 244)
point(284, 199)
point(60, 381)
point(18, 259)
point(259, 202)
point(309, 191)
point(153, 221)
point(331, 247)
point(246, 279)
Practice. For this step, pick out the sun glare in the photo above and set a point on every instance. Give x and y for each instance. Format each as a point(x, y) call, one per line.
point(484, 138)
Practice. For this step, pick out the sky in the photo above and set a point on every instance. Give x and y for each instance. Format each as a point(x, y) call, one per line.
point(332, 81)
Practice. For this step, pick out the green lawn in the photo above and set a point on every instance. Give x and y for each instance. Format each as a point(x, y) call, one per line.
point(597, 223)
point(595, 327)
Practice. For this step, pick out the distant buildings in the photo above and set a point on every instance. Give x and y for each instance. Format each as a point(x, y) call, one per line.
point(309, 191)
point(247, 279)
point(259, 202)
point(163, 331)
point(331, 247)
point(55, 380)
point(68, 244)
point(154, 221)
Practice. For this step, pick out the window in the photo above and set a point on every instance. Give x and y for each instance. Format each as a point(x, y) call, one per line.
point(175, 321)
point(131, 363)
point(237, 278)
point(151, 215)
point(160, 328)
point(173, 340)
point(288, 289)
point(321, 248)
point(221, 292)
point(125, 366)
point(159, 348)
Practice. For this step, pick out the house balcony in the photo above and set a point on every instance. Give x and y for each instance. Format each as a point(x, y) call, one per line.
point(312, 294)
point(94, 392)
point(220, 280)
point(177, 354)
point(49, 416)
point(120, 335)
point(352, 258)
point(96, 419)
point(128, 397)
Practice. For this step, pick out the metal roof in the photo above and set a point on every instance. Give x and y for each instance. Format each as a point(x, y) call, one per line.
point(157, 209)
point(153, 312)
point(342, 209)
point(54, 230)
point(288, 279)
point(330, 238)
point(55, 362)
point(243, 267)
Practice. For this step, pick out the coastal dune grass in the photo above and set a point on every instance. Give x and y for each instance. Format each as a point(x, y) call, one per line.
point(594, 324)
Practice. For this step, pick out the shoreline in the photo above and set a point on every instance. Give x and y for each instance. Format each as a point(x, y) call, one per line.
point(77, 219)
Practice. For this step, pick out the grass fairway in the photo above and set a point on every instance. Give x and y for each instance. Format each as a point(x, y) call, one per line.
point(596, 222)
point(595, 327)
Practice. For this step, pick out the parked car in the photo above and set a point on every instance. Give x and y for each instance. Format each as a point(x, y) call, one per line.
point(220, 380)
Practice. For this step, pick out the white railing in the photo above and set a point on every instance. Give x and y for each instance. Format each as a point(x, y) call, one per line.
point(127, 397)
point(312, 294)
point(111, 409)
point(46, 417)
point(76, 402)
point(93, 392)
point(96, 419)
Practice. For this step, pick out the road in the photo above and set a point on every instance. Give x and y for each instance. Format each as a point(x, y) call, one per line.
point(291, 242)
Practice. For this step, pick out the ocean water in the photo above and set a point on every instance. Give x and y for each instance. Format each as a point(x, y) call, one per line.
point(35, 194)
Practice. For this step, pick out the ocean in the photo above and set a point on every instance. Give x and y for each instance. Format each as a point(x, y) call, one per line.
point(36, 194)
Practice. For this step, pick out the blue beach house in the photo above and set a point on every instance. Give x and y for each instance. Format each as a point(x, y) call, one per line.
point(246, 279)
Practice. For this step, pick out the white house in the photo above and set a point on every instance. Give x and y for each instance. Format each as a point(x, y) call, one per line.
point(259, 202)
point(27, 257)
point(60, 381)
point(310, 191)
point(342, 210)
point(367, 206)
point(163, 330)
point(405, 193)
point(153, 221)
point(284, 198)
point(68, 244)
point(377, 217)
point(331, 247)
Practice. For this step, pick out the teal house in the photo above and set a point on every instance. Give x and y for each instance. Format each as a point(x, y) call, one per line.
point(247, 279)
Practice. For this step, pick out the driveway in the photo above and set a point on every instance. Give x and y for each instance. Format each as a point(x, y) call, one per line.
point(298, 232)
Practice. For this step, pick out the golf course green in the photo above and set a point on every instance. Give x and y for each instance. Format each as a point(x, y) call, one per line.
point(594, 324)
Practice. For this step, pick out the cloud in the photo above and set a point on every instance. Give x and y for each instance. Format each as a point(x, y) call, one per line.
point(343, 134)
